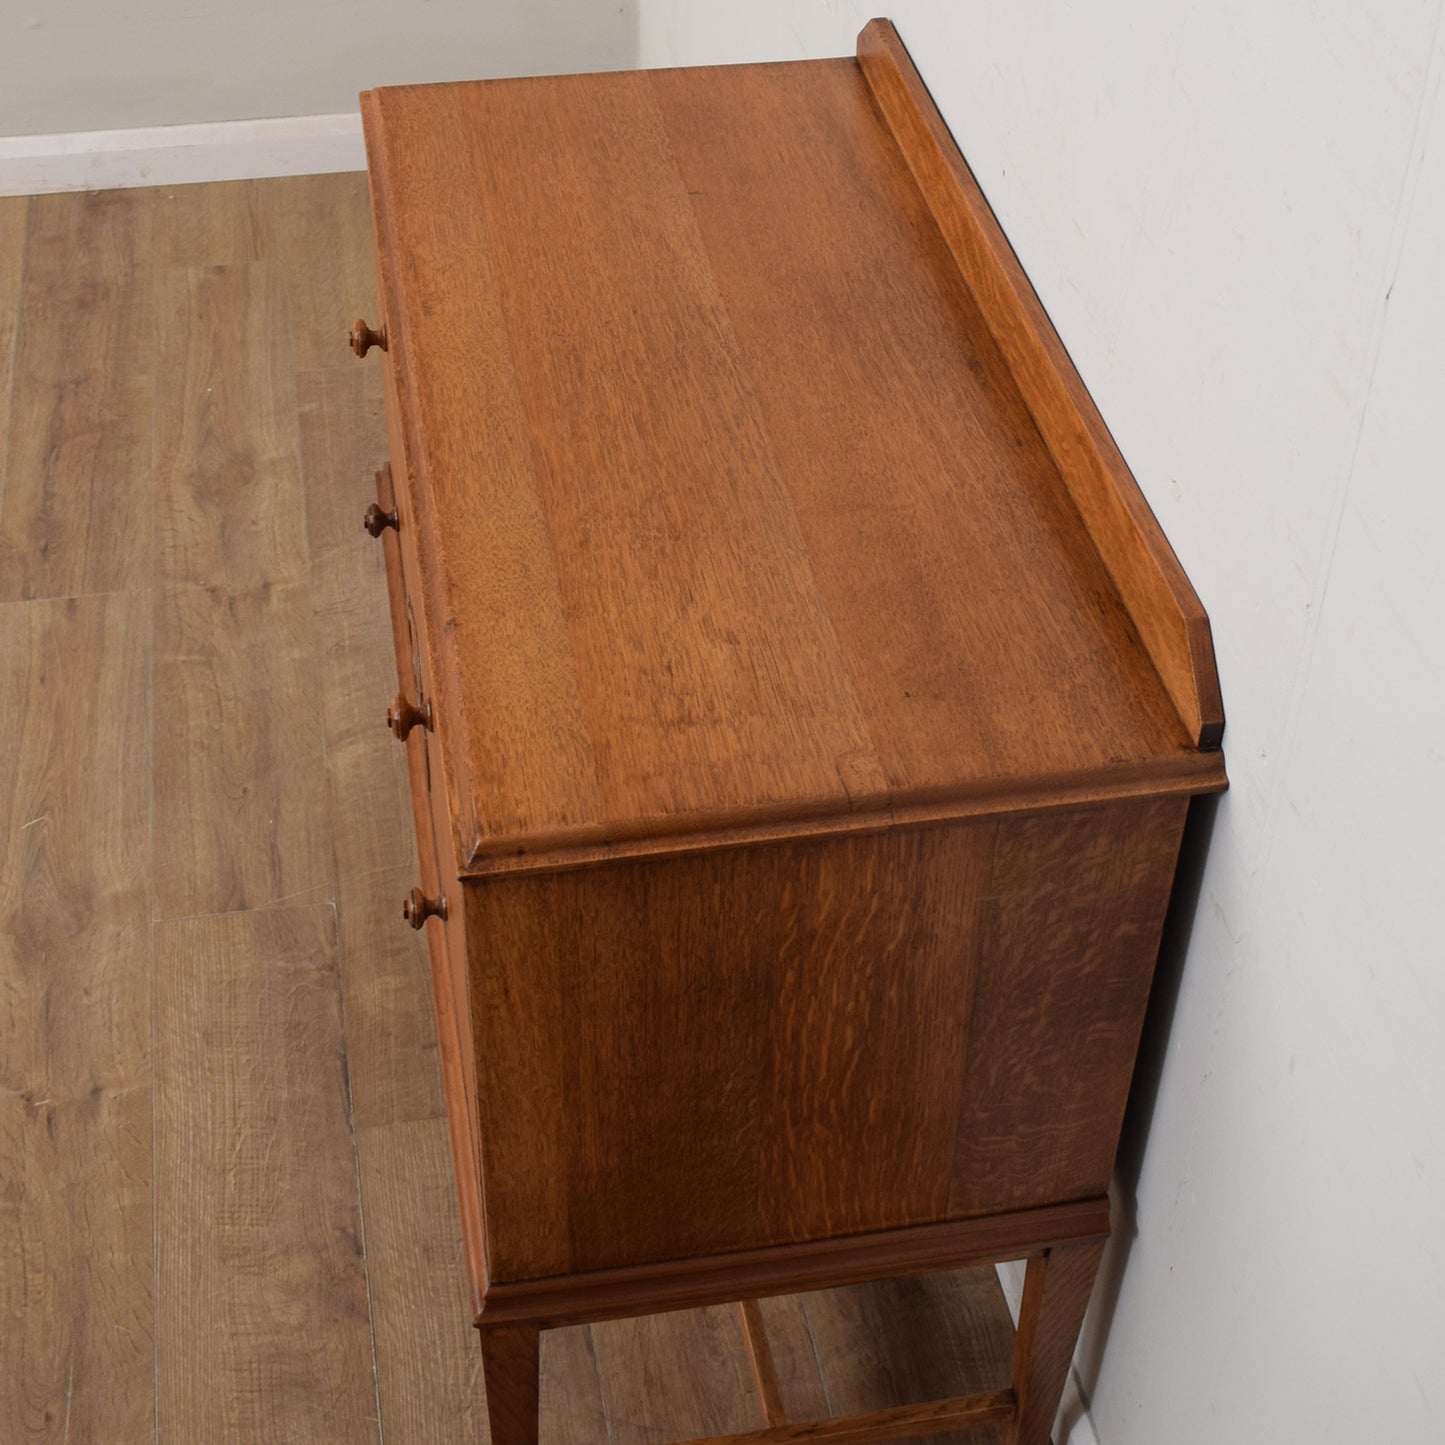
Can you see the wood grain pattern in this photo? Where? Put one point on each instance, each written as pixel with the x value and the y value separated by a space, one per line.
pixel 573 1409
pixel 904 1341
pixel 920 504
pixel 76 1309
pixel 795 1357
pixel 14 213
pixel 1056 1294
pixel 257 1216
pixel 513 659
pixel 429 1370
pixel 767 557
pixel 903 1421
pixel 655 1082
pixel 220 224
pixel 816 1264
pixel 75 516
pixel 1070 938
pixel 760 1358
pixel 229 510
pixel 316 229
pixel 391 1033
pixel 511 1363
pixel 256 1205
pixel 1160 599
pixel 670 1377
pixel 240 793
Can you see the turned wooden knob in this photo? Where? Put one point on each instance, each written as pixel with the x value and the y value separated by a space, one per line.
pixel 416 908
pixel 363 338
pixel 376 521
pixel 402 717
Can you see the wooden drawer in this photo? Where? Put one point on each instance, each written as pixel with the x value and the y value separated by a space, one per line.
pixel 438 876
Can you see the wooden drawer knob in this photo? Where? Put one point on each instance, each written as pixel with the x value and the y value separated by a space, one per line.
pixel 363 338
pixel 416 908
pixel 376 521
pixel 402 717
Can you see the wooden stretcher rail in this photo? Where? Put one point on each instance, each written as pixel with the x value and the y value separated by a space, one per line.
pixel 903 1422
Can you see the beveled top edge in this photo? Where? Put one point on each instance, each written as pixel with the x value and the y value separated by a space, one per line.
pixel 1189 775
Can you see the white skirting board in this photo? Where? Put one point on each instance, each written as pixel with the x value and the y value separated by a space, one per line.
pixel 1073 1426
pixel 170 155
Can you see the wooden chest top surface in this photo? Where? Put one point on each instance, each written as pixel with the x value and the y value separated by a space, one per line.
pixel 733 515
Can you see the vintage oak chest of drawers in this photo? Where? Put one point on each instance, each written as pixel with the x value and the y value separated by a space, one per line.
pixel 802 705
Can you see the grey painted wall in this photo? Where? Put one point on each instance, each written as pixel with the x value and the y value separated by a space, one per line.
pixel 81 65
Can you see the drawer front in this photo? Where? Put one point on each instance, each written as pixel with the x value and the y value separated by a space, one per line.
pixel 446 939
pixel 447 943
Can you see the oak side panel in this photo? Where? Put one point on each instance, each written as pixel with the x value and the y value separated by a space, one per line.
pixel 76 1308
pixel 75 516
pixel 722 1050
pixel 240 767
pixel 1160 597
pixel 261 1302
pixel 984 636
pixel 229 508
pixel 429 1370
pixel 1068 950
pixel 679 1376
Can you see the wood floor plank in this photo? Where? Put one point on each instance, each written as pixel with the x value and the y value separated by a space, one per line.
pixel 794 1356
pixel 76 1351
pixel 219 223
pixel 391 1027
pixel 14 211
pixel 75 516
pixel 240 766
pixel 429 1369
pixel 261 1305
pixel 343 442
pixel 427 1355
pixel 318 229
pixel 900 1342
pixel 676 1376
pixel 391 1035
pixel 228 509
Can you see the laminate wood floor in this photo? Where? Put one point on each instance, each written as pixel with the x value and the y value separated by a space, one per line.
pixel 226 1203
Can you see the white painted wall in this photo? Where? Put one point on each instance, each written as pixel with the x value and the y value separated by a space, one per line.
pixel 1235 214
pixel 88 65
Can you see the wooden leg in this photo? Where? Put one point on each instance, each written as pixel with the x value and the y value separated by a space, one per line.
pixel 1056 1294
pixel 511 1369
